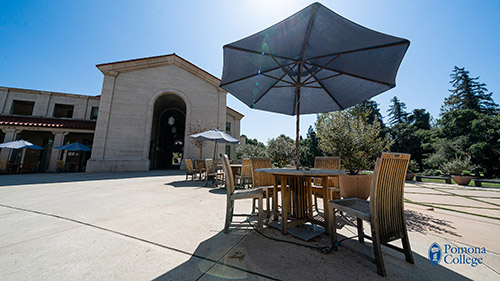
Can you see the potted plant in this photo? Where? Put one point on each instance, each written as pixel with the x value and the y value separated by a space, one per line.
pixel 412 169
pixel 349 136
pixel 459 169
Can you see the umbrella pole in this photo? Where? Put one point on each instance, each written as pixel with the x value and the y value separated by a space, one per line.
pixel 297 153
pixel 215 149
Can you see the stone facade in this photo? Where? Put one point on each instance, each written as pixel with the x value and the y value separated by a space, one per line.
pixel 137 95
pixel 125 131
pixel 40 125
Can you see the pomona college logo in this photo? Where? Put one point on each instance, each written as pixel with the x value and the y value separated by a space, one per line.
pixel 435 253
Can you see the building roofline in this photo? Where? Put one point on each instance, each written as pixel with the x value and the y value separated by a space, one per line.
pixel 49 92
pixel 113 68
pixel 235 112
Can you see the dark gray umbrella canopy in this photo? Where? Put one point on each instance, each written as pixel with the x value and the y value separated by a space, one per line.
pixel 314 61
pixel 333 62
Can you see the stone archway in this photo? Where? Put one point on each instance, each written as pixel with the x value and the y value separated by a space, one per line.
pixel 167 132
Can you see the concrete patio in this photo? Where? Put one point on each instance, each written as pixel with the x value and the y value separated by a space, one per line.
pixel 157 226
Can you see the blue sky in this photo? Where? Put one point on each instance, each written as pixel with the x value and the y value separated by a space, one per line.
pixel 55 45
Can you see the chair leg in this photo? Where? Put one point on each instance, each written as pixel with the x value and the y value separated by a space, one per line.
pixel 253 205
pixel 407 249
pixel 333 229
pixel 229 215
pixel 316 202
pixel 261 214
pixel 377 251
pixel 361 234
pixel 268 202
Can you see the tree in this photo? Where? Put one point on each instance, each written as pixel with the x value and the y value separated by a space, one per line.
pixel 198 127
pixel 309 148
pixel 281 150
pixel 468 93
pixel 368 108
pixel 397 113
pixel 252 148
pixel 420 119
pixel 350 137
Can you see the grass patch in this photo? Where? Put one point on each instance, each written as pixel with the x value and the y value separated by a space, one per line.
pixel 485 184
pixel 451 210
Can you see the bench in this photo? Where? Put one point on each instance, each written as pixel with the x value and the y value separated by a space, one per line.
pixel 446 179
pixel 478 182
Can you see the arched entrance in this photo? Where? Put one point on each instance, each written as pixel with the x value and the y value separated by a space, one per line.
pixel 167 132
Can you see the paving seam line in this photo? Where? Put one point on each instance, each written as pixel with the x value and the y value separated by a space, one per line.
pixel 135 238
pixel 492 269
pixel 228 251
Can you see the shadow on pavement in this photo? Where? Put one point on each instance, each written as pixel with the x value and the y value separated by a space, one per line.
pixel 419 222
pixel 255 257
pixel 40 178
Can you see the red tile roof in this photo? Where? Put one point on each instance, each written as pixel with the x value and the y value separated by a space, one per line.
pixel 46 122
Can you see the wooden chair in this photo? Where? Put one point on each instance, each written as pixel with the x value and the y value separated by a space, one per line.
pixel 189 168
pixel 199 166
pixel 3 167
pixel 211 171
pixel 27 167
pixel 327 163
pixel 245 177
pixel 384 211
pixel 263 180
pixel 60 166
pixel 233 195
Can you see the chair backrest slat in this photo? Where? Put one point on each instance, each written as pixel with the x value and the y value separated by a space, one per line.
pixel 387 191
pixel 246 168
pixel 327 163
pixel 228 174
pixel 189 166
pixel 198 164
pixel 209 166
pixel 261 179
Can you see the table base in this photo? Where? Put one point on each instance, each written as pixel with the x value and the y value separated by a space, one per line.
pixel 305 231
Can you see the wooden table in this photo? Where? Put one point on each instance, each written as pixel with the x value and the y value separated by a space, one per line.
pixel 296 196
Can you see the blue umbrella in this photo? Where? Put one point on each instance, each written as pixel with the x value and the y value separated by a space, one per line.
pixel 19 144
pixel 76 146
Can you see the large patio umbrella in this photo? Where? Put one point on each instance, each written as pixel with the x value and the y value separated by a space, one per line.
pixel 216 135
pixel 314 61
pixel 76 146
pixel 20 144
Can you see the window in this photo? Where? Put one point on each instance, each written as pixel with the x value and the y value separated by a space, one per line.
pixel 93 113
pixel 228 126
pixel 228 151
pixel 21 107
pixel 63 110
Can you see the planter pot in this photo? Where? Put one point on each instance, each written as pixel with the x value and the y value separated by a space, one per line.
pixel 462 180
pixel 355 186
pixel 410 176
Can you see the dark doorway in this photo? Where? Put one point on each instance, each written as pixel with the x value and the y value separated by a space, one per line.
pixel 167 135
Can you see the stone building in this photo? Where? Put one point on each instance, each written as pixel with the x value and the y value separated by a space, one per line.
pixel 142 120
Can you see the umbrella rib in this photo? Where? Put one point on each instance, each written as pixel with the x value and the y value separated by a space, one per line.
pixel 275 78
pixel 328 92
pixel 267 91
pixel 252 75
pixel 283 68
pixel 326 78
pixel 323 67
pixel 358 76
pixel 363 49
pixel 259 53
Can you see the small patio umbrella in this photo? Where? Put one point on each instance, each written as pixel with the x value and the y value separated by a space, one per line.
pixel 314 61
pixel 20 144
pixel 216 135
pixel 76 146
